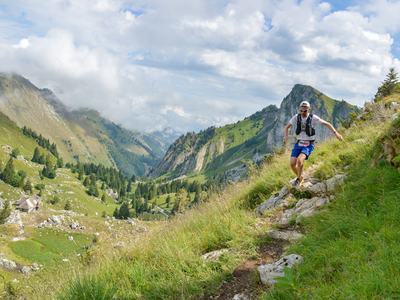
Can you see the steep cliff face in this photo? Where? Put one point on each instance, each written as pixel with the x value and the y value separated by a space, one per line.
pixel 222 149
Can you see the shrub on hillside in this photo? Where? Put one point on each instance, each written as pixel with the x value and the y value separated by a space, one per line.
pixel 15 152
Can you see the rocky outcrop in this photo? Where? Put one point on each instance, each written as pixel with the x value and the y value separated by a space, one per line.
pixel 271 271
pixel 320 193
pixel 15 218
pixel 303 208
pixel 214 255
pixel 287 235
pixel 112 194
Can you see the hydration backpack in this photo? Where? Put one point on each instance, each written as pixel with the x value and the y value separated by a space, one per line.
pixel 309 130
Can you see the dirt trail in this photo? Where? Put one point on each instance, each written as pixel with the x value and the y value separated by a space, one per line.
pixel 244 280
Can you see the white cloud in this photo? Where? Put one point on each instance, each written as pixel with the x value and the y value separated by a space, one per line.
pixel 22 44
pixel 187 65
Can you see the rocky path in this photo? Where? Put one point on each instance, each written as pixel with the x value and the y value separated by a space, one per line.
pixel 284 210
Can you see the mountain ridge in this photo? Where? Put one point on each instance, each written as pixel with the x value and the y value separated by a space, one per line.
pixel 77 138
pixel 223 149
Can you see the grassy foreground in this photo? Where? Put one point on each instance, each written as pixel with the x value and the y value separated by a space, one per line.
pixel 351 249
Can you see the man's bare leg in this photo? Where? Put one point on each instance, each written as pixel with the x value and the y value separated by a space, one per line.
pixel 300 164
pixel 293 161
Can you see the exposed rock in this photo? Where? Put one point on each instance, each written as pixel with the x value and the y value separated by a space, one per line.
pixel 130 221
pixel 65 260
pixel 318 189
pixel 287 235
pixel 57 191
pixel 62 175
pixel 393 117
pixel 240 297
pixel 112 194
pixel 271 271
pixel 74 225
pixel 120 245
pixel 15 218
pixel 71 238
pixel 273 201
pixel 288 200
pixel 303 208
pixel 25 270
pixel 35 267
pixel 2 203
pixel 8 264
pixel 55 219
pixel 214 255
pixel 334 182
pixel 96 234
pixel 312 180
pixel 393 105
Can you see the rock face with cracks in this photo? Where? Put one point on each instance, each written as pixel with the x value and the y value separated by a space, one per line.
pixel 319 191
pixel 271 271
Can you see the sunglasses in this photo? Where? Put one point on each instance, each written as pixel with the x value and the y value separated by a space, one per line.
pixel 303 110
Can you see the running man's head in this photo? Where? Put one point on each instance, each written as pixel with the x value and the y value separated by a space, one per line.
pixel 304 108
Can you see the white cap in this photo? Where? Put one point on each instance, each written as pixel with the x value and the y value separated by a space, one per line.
pixel 305 103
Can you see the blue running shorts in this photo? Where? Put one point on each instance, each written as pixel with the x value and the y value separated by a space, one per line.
pixel 306 150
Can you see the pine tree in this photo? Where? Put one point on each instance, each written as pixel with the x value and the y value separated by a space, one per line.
pixel 197 197
pixel 42 159
pixel 28 186
pixel 116 213
pixel 67 206
pixel 181 202
pixel 9 172
pixel 388 85
pixel 80 173
pixel 86 182
pixel 103 198
pixel 124 211
pixel 5 212
pixel 96 191
pixel 60 162
pixel 48 167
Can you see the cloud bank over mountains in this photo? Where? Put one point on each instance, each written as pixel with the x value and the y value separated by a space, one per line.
pixel 187 65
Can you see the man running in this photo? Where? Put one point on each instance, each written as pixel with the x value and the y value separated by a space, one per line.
pixel 305 132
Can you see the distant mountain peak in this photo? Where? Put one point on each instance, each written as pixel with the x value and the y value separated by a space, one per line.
pixel 223 149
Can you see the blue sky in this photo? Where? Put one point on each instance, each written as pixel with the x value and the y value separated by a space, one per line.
pixel 188 65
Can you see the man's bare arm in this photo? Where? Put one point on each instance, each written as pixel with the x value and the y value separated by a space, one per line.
pixel 286 137
pixel 331 128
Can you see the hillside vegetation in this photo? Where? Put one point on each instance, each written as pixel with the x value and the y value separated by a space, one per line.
pixel 350 248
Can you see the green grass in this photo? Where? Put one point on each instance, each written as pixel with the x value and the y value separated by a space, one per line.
pixel 351 249
pixel 48 246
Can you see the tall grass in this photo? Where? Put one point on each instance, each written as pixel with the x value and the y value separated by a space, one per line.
pixel 167 263
pixel 350 249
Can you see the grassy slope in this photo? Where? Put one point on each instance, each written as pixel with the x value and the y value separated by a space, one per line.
pixel 350 249
pixel 125 143
pixel 70 189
